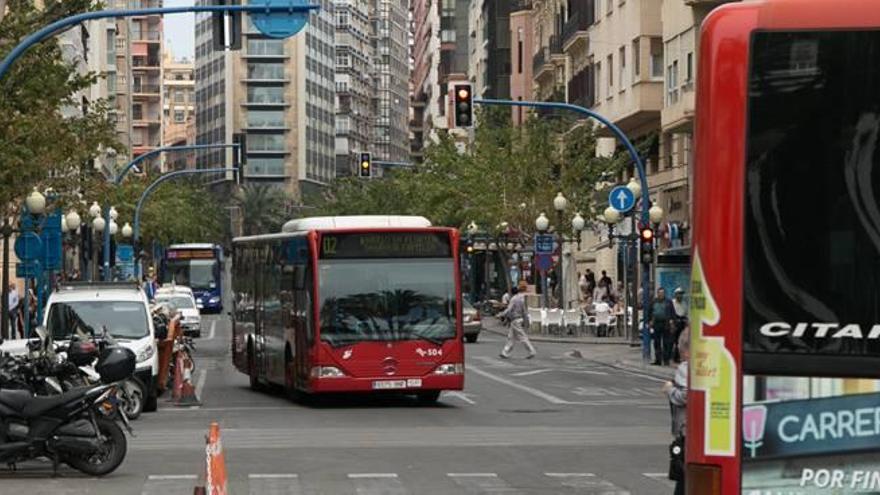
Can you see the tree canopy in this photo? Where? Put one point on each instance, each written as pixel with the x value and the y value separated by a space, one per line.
pixel 506 174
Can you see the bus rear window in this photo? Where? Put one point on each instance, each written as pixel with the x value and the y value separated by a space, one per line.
pixel 812 206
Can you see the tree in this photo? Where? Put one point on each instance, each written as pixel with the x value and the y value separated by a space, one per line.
pixel 41 145
pixel 507 174
pixel 263 208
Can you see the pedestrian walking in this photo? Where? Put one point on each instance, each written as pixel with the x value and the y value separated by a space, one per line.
pixel 661 314
pixel 13 300
pixel 677 392
pixel 591 282
pixel 606 280
pixel 517 315
pixel 680 322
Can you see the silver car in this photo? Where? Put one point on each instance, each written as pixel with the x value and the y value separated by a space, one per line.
pixel 471 322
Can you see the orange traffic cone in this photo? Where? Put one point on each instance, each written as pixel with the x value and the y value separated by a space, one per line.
pixel 184 393
pixel 215 465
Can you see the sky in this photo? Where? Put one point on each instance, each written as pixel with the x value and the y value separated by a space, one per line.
pixel 180 31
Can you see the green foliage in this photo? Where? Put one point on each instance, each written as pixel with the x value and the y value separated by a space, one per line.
pixel 40 146
pixel 507 174
pixel 263 208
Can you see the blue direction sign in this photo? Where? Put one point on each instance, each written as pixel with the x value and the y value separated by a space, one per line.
pixel 543 243
pixel 28 247
pixel 277 24
pixel 622 199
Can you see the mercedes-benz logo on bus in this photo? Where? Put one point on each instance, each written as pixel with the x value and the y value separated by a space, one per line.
pixel 389 365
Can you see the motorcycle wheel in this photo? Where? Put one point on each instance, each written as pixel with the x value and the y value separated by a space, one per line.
pixel 109 456
pixel 131 400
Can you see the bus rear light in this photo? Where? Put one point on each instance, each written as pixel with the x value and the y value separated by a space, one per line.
pixel 703 479
pixel 326 372
pixel 450 369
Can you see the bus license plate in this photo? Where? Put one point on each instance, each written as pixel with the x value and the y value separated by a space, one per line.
pixel 397 384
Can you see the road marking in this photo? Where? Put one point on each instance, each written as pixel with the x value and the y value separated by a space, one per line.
pixel 588 481
pixel 482 483
pixel 531 372
pixel 200 383
pixel 272 476
pixel 569 475
pixel 460 396
pixel 213 328
pixel 533 391
pixel 472 475
pixel 355 476
pixel 165 477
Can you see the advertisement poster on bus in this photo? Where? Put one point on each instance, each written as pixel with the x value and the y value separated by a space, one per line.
pixel 809 435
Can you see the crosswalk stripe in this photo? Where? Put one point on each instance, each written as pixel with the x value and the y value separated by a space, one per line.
pixel 472 475
pixel 371 475
pixel 588 483
pixel 272 476
pixel 169 484
pixel 481 483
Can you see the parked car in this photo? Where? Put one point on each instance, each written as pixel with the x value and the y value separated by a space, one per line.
pixel 471 322
pixel 120 308
pixel 183 300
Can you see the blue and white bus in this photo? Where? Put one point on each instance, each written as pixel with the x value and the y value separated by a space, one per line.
pixel 199 267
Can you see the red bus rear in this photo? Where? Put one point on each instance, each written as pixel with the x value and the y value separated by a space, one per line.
pixel 350 304
pixel 785 347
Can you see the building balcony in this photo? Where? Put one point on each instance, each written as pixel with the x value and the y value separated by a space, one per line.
pixel 146 120
pixel 150 36
pixel 541 63
pixel 152 90
pixel 574 33
pixel 145 63
pixel 556 52
pixel 581 88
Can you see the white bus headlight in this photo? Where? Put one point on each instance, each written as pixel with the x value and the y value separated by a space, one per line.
pixel 326 372
pixel 145 354
pixel 450 369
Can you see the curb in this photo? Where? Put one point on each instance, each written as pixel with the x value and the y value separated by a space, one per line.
pixel 652 371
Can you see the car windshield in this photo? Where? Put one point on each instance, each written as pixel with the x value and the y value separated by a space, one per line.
pixel 387 299
pixel 179 302
pixel 123 319
pixel 195 274
pixel 467 307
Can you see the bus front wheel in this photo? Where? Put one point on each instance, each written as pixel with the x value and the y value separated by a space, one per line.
pixel 428 398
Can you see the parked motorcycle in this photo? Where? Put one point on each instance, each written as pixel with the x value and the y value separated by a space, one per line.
pixel 70 427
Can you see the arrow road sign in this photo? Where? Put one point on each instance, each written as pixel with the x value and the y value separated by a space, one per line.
pixel 621 199
pixel 277 25
pixel 543 243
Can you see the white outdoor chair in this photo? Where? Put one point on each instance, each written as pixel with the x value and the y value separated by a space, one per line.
pixel 536 317
pixel 612 325
pixel 590 323
pixel 572 317
pixel 554 318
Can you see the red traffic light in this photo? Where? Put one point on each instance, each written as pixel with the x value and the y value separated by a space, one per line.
pixel 647 235
pixel 463 93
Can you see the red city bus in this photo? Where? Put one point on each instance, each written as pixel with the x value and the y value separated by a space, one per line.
pixel 350 304
pixel 785 348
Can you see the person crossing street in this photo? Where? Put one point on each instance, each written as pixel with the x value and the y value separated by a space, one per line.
pixel 517 315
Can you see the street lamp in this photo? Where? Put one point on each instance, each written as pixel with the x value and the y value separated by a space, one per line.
pixel 94 210
pixel 98 224
pixel 656 213
pixel 73 221
pixel 560 203
pixel 114 228
pixel 64 228
pixel 35 202
pixel 113 213
pixel 611 216
pixel 542 223
pixel 127 231
pixel 634 187
pixel 472 229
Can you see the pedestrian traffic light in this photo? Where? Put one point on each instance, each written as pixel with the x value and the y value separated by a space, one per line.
pixel 226 36
pixel 463 105
pixel 646 241
pixel 365 166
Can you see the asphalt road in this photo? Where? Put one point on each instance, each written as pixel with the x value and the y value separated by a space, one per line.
pixel 553 424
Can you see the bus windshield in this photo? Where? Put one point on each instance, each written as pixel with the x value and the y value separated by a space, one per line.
pixel 387 299
pixel 195 274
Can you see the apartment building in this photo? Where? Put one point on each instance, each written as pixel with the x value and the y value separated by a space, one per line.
pixel 390 71
pixel 178 116
pixel 354 84
pixel 280 93
pixel 139 58
pixel 490 65
pixel 521 50
pixel 440 54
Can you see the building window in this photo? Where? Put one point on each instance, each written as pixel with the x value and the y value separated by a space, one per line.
pixel 519 50
pixel 265 95
pixel 598 80
pixel 622 67
pixel 343 60
pixel 690 67
pixel 342 19
pixel 265 142
pixel 265 166
pixel 610 73
pixel 273 72
pixel 672 82
pixel 265 118
pixel 637 58
pixel 656 57
pixel 265 47
pixel 179 97
pixel 179 116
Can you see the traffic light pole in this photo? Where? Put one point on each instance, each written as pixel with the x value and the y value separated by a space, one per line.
pixel 639 165
pixel 62 24
pixel 137 209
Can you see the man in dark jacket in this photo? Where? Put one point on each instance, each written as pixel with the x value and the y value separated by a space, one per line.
pixel 661 314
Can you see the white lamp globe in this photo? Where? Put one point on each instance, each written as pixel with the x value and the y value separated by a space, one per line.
pixel 656 213
pixel 98 224
pixel 64 228
pixel 113 213
pixel 578 223
pixel 73 220
pixel 95 210
pixel 634 186
pixel 127 231
pixel 559 202
pixel 114 228
pixel 542 223
pixel 611 215
pixel 36 202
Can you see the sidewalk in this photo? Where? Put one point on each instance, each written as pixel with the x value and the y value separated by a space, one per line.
pixel 611 351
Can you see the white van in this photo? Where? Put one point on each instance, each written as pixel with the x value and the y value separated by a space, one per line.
pixel 120 307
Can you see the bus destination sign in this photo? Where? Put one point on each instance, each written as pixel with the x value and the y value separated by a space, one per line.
pixel 192 254
pixel 386 245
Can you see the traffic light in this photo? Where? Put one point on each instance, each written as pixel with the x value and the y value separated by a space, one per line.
pixel 365 166
pixel 646 243
pixel 226 38
pixel 239 156
pixel 463 107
